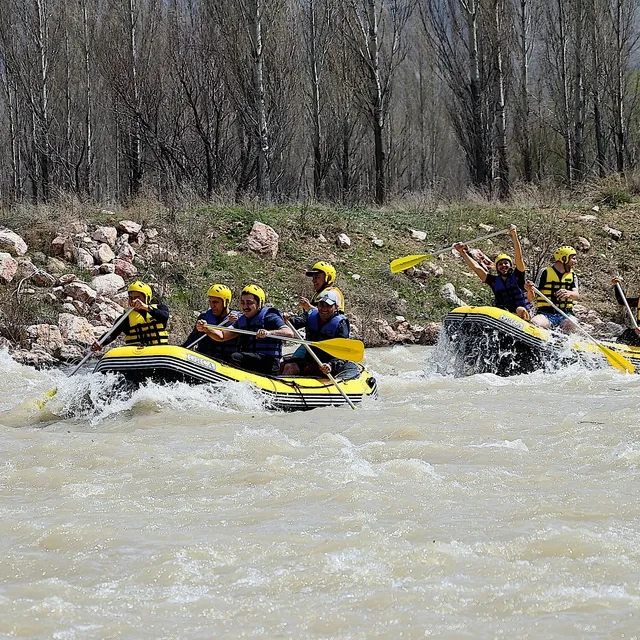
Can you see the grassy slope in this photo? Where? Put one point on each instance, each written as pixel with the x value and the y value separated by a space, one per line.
pixel 201 238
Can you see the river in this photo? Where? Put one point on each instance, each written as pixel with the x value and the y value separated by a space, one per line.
pixel 477 507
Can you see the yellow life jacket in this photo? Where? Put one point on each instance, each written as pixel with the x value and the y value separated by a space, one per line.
pixel 144 329
pixel 554 282
pixel 317 294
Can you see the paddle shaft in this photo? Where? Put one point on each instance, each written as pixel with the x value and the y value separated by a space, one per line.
pixel 490 235
pixel 626 304
pixel 320 363
pixel 101 341
pixel 204 335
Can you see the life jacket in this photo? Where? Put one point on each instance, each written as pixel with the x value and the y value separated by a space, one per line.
pixel 251 344
pixel 315 332
pixel 554 282
pixel 214 348
pixel 144 329
pixel 508 294
pixel 317 294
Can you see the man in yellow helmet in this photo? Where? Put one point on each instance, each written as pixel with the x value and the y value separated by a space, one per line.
pixel 218 313
pixel 508 285
pixel 560 284
pixel 323 276
pixel 258 353
pixel 146 324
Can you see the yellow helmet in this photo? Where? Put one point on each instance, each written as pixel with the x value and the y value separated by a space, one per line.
pixel 563 253
pixel 220 291
pixel 255 290
pixel 143 288
pixel 504 256
pixel 329 271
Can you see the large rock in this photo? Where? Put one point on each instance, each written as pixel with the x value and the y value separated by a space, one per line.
pixel 107 285
pixel 418 235
pixel 105 312
pixel 8 268
pixel 75 329
pixel 48 336
pixel 55 266
pixel 125 268
pixel 343 241
pixel 448 293
pixel 43 279
pixel 11 242
pixel 84 259
pixel 80 291
pixel 104 254
pixel 130 227
pixel 263 240
pixel 126 252
pixel 62 247
pixel 108 235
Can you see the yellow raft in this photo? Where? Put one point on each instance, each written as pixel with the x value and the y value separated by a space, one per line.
pixel 492 340
pixel 167 363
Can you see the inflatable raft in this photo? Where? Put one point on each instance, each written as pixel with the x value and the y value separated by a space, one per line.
pixel 492 340
pixel 167 363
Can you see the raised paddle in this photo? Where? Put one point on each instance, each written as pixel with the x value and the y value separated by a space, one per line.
pixel 315 357
pixel 52 392
pixel 626 304
pixel 402 264
pixel 342 348
pixel 614 359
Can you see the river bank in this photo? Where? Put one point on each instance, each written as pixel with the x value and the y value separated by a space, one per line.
pixel 64 279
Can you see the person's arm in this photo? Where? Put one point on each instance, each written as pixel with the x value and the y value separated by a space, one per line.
pixel 159 313
pixel 299 322
pixel 517 249
pixel 275 326
pixel 480 271
pixel 573 292
pixel 632 302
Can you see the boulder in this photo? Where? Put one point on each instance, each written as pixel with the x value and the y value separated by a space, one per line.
pixel 12 243
pixel 418 235
pixel 80 291
pixel 448 293
pixel 48 336
pixel 582 244
pixel 8 268
pixel 105 312
pixel 55 266
pixel 151 233
pixel 130 227
pixel 125 268
pixel 343 241
pixel 75 329
pixel 43 279
pixel 84 259
pixel 107 235
pixel 66 278
pixel 263 240
pixel 126 252
pixel 62 247
pixel 486 227
pixel 107 285
pixel 38 357
pixel 104 254
pixel 614 233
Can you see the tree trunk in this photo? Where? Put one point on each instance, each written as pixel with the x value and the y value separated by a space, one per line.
pixel 88 100
pixel 135 133
pixel 579 162
pixel 501 116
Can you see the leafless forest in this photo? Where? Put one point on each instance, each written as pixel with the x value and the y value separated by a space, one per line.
pixel 336 100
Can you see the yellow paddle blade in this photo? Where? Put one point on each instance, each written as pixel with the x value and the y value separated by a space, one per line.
pixel 402 264
pixel 616 360
pixel 43 401
pixel 342 348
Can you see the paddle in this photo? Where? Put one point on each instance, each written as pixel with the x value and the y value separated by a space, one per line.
pixel 615 359
pixel 315 357
pixel 401 264
pixel 204 335
pixel 342 348
pixel 626 304
pixel 52 392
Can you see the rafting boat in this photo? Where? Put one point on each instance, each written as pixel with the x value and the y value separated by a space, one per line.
pixel 166 363
pixel 492 340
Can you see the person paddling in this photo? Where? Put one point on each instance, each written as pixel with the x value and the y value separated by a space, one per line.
pixel 560 284
pixel 631 335
pixel 256 353
pixel 218 313
pixel 323 323
pixel 508 284
pixel 146 324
